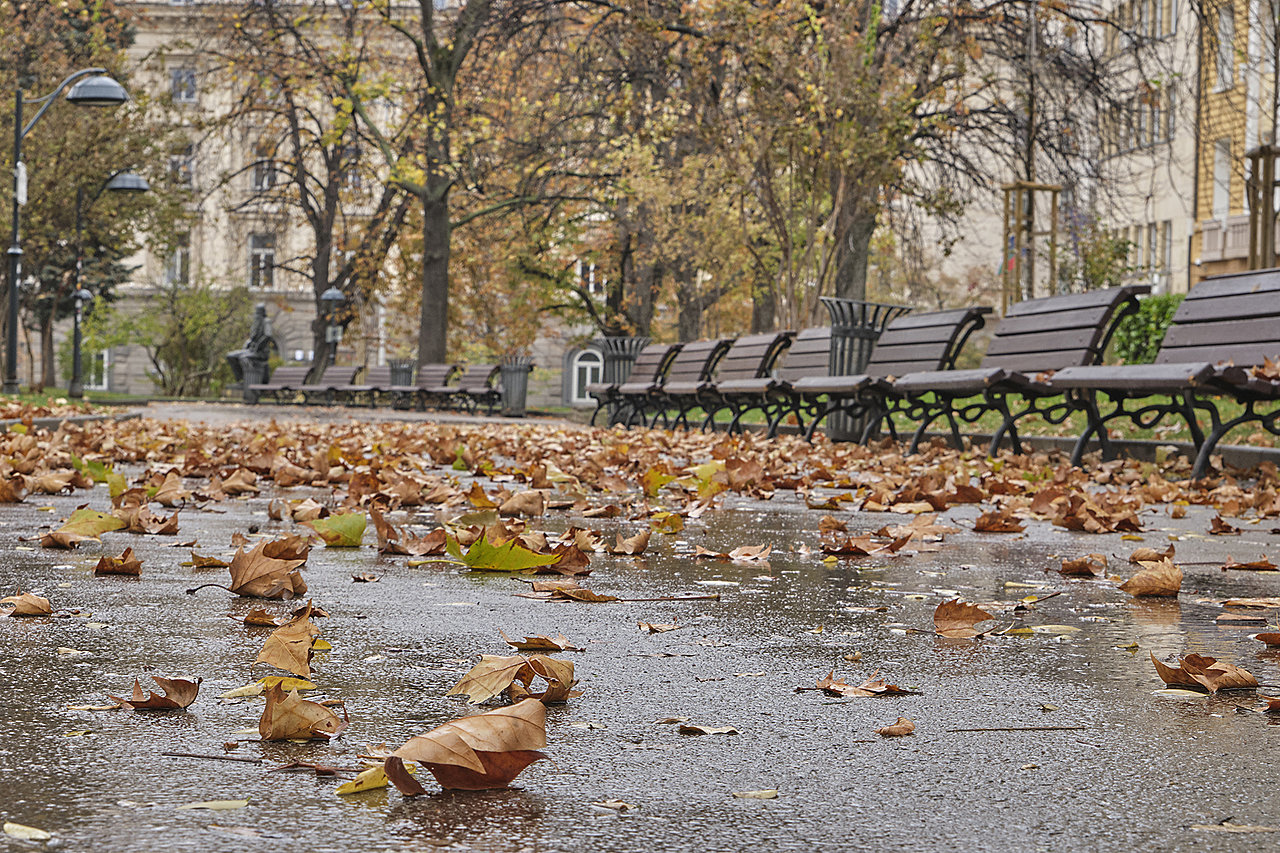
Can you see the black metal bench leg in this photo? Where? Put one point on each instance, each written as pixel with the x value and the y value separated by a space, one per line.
pixel 931 414
pixel 1007 425
pixel 1094 425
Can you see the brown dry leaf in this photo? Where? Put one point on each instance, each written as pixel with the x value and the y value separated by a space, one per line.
pixel 1271 638
pixel 308 510
pixel 289 717
pixel 52 483
pixel 1200 672
pixel 241 481
pixel 1151 555
pixel 478 498
pixel 1088 566
pixel 295 546
pixel 1162 579
pixel 830 524
pixel 259 618
pixel 873 686
pixel 171 493
pixel 1260 565
pixel 902 728
pixel 532 503
pixel 750 553
pixel 631 546
pixel 256 575
pixel 289 646
pixel 1272 705
pixel 481 752
pixel 12 489
pixel 998 521
pixel 958 619
pixel 580 594
pixel 492 675
pixel 541 643
pixel 125 564
pixel 201 562
pixel 178 694
pixel 695 729
pixel 657 628
pixel 1219 527
pixel 27 604
pixel 558 674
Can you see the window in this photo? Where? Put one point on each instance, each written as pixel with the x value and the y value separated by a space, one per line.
pixel 262 260
pixel 587 367
pixel 1226 54
pixel 183 85
pixel 1221 178
pixel 588 277
pixel 349 167
pixel 97 371
pixel 177 268
pixel 182 167
pixel 263 175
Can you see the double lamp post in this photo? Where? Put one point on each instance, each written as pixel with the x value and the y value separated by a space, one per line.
pixel 93 89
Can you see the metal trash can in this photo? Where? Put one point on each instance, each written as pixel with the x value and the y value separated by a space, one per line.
pixel 855 327
pixel 401 371
pixel 619 357
pixel 248 369
pixel 515 385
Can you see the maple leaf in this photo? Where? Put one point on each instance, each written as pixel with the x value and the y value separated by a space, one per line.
pixel 484 556
pixel 1160 579
pixel 125 564
pixel 530 503
pixel 902 728
pixel 998 521
pixel 1200 672
pixel 295 546
pixel 541 643
pixel 340 531
pixel 1219 527
pixel 289 717
pixel 178 694
pixel 1260 565
pixel 12 489
pixel 27 604
pixel 1088 566
pixel 873 686
pixel 578 594
pixel 495 674
pixel 241 481
pixel 633 545
pixel 83 525
pixel 256 575
pixel 958 619
pixel 201 562
pixel 1151 555
pixel 171 492
pixel 289 646
pixel 475 753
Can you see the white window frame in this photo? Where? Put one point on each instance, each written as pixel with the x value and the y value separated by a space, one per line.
pixel 177 267
pixel 184 85
pixel 590 361
pixel 92 380
pixel 262 261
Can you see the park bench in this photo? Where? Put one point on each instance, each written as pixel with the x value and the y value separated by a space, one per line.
pixel 334 378
pixel 431 387
pixel 774 393
pixel 649 367
pixel 749 358
pixel 1035 338
pixel 376 380
pixel 692 367
pixel 476 388
pixel 286 380
pixel 927 341
pixel 1225 329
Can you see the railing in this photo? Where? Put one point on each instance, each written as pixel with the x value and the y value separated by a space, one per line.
pixel 1226 239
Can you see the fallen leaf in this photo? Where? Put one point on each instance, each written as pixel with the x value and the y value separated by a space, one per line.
pixel 480 752
pixel 1260 565
pixel 25 833
pixel 958 619
pixel 1204 673
pixel 256 575
pixel 531 503
pixel 694 729
pixel 541 643
pixel 1090 565
pixel 494 675
pixel 125 564
pixel 873 686
pixel 201 562
pixel 579 594
pixel 654 628
pixel 484 556
pixel 178 694
pixel 216 805
pixel 764 794
pixel 368 779
pixel 289 646
pixel 289 716
pixel 1151 555
pixel 83 525
pixel 1162 579
pixel 616 805
pixel 1219 527
pixel 1271 638
pixel 998 521
pixel 27 604
pixel 901 728
pixel 631 546
pixel 340 531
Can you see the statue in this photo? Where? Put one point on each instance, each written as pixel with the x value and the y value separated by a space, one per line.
pixel 249 364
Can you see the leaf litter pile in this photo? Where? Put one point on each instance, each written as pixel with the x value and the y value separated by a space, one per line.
pixel 559 514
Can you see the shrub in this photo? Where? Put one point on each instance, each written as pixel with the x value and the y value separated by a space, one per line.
pixel 1138 336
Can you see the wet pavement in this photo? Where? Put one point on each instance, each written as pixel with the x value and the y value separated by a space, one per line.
pixel 1129 767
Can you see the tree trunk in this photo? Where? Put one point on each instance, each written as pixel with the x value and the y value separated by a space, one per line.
pixel 854 227
pixel 320 325
pixel 764 308
pixel 433 324
pixel 48 358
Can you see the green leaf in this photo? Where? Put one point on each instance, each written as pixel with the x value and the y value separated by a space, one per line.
pixel 91 524
pixel 92 468
pixel 341 531
pixel 484 556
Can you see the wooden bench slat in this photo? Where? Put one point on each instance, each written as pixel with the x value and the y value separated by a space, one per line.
pixel 1044 342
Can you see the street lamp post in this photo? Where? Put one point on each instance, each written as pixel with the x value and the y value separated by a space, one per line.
pixel 122 181
pixel 98 90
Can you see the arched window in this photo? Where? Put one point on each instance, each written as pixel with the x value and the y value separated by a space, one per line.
pixel 587 367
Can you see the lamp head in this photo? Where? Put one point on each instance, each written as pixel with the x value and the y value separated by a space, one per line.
pixel 128 182
pixel 100 90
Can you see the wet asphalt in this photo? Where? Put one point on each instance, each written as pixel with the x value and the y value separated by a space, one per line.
pixel 1092 754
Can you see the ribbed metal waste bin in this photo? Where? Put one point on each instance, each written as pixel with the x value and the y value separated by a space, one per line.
pixel 619 357
pixel 515 385
pixel 401 371
pixel 856 325
pixel 253 371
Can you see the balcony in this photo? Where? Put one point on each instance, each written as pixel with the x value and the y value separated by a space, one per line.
pixel 1227 239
